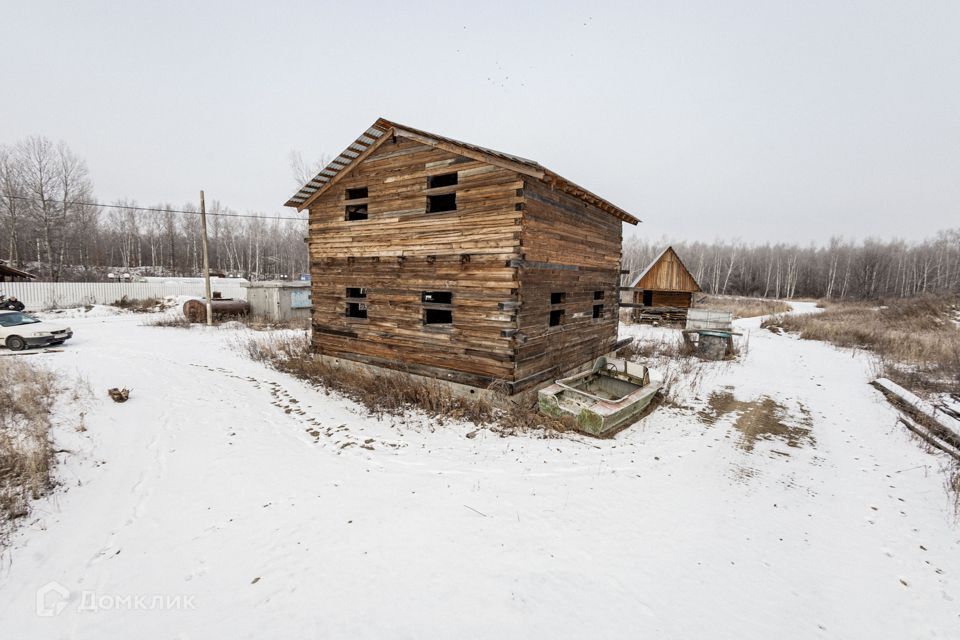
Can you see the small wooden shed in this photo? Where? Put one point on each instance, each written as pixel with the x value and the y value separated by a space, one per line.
pixel 664 290
pixel 449 260
pixel 12 274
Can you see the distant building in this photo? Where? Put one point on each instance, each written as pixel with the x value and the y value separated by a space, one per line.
pixel 12 274
pixel 449 260
pixel 664 290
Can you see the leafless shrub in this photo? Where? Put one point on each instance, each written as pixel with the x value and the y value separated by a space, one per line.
pixel 139 305
pixel 396 392
pixel 742 307
pixel 257 323
pixel 27 396
pixel 953 487
pixel 674 358
pixel 174 320
pixel 261 323
pixel 667 345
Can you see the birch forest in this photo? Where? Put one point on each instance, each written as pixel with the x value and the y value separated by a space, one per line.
pixel 50 225
pixel 841 269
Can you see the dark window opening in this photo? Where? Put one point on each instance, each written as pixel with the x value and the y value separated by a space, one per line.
pixel 556 317
pixel 444 180
pixel 437 316
pixel 648 298
pixel 437 297
pixel 446 202
pixel 597 311
pixel 598 295
pixel 558 298
pixel 356 194
pixel 437 307
pixel 356 212
pixel 356 310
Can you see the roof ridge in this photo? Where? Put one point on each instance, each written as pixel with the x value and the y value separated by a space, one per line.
pixel 375 135
pixel 659 257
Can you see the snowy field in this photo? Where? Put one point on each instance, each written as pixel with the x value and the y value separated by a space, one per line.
pixel 777 498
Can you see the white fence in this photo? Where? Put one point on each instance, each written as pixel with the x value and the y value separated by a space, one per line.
pixel 51 295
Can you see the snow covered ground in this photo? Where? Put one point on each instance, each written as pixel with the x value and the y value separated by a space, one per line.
pixel 779 499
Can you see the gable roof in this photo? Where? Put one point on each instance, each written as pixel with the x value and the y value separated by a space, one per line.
pixel 12 272
pixel 660 276
pixel 383 129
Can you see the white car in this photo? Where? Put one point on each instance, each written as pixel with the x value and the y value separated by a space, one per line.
pixel 20 331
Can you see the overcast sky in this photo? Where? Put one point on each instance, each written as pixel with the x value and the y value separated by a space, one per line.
pixel 761 121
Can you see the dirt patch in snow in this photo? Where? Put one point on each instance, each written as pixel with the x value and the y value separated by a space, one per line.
pixel 761 419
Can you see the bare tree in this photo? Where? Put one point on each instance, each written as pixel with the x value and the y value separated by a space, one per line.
pixel 304 171
pixel 11 190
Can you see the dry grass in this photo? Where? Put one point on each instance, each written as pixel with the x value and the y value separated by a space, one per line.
pixel 27 396
pixel 952 483
pixel 177 321
pixel 675 359
pixel 669 345
pixel 916 339
pixel 395 393
pixel 140 305
pixel 742 307
pixel 257 323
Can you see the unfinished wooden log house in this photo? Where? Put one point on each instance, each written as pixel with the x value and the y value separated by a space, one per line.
pixel 664 290
pixel 449 260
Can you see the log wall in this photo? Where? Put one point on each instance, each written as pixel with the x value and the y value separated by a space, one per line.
pixel 510 243
pixel 401 251
pixel 572 248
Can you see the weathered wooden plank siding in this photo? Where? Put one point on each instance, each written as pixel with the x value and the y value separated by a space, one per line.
pixel 583 245
pixel 486 220
pixel 668 274
pixel 680 299
pixel 401 251
pixel 560 228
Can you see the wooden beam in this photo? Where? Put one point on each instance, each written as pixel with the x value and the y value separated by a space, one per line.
pixel 471 153
pixel 520 263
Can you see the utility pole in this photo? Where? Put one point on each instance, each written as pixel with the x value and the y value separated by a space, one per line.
pixel 206 260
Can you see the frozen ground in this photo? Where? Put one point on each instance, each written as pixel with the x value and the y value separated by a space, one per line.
pixel 778 500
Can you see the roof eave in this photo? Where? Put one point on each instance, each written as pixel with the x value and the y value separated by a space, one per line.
pixel 378 132
pixel 588 196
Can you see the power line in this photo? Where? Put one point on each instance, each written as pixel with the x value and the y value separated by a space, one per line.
pixel 153 209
